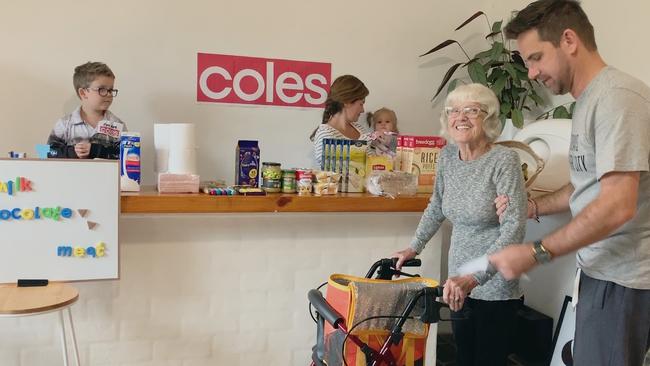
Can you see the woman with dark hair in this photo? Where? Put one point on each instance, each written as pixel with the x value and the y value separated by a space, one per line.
pixel 343 106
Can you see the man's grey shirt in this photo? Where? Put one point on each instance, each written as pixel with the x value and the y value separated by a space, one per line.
pixel 611 133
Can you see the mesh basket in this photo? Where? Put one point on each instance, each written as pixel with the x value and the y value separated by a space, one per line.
pixel 356 299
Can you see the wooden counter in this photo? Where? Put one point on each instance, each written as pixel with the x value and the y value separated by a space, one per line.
pixel 150 201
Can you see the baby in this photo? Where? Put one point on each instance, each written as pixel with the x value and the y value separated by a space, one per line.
pixel 384 120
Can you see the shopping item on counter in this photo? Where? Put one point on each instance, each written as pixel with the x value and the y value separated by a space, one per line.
pixel 178 183
pixel 382 152
pixel 161 146
pixel 288 180
pixel 271 177
pixel 408 145
pixel 419 155
pixel 397 163
pixel 425 157
pixel 392 184
pixel 347 158
pixel 175 146
pixel 251 191
pixel 17 155
pixel 130 161
pixel 326 182
pixel 182 148
pixel 247 164
pixel 304 180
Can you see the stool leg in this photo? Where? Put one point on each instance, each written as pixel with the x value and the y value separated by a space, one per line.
pixel 74 338
pixel 64 346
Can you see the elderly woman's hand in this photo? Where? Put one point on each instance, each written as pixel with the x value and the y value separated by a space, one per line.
pixel 402 256
pixel 456 290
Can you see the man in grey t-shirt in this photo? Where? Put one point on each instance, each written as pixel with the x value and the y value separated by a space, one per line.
pixel 609 193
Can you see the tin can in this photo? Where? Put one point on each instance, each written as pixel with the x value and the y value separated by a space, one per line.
pixel 288 181
pixel 303 181
pixel 271 177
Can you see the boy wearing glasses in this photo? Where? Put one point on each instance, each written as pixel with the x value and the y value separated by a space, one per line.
pixel 91 130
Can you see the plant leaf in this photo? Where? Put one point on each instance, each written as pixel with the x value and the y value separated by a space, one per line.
pixel 452 86
pixel 476 15
pixel 561 112
pixel 483 54
pixel 445 79
pixel 516 57
pixel 496 26
pixel 519 67
pixel 492 34
pixel 511 70
pixel 477 72
pixel 536 98
pixel 497 50
pixel 517 118
pixel 498 85
pixel 495 74
pixel 441 46
pixel 505 108
pixel 522 75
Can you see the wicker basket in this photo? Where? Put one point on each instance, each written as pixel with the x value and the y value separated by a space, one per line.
pixel 523 147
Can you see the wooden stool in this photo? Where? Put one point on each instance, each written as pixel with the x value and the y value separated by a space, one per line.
pixel 25 301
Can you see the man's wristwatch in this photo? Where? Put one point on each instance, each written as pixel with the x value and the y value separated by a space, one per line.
pixel 540 253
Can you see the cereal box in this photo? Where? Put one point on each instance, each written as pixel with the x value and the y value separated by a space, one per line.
pixel 426 150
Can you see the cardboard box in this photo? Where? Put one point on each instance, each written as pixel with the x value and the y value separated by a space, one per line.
pixel 426 150
pixel 348 158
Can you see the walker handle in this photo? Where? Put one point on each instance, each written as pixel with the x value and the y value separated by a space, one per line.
pixel 415 262
pixel 324 308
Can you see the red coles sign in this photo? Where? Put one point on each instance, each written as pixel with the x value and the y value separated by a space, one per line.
pixel 262 81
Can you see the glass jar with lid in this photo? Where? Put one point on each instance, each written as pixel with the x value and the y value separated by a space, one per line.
pixel 271 177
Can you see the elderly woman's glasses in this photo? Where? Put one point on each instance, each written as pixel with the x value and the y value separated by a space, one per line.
pixel 471 112
pixel 104 92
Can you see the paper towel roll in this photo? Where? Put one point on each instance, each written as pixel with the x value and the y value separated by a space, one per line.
pixel 182 149
pixel 161 145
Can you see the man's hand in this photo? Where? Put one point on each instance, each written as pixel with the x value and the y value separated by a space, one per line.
pixel 82 149
pixel 501 203
pixel 514 260
pixel 456 290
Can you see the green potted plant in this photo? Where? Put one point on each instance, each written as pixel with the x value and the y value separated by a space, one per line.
pixel 562 111
pixel 500 68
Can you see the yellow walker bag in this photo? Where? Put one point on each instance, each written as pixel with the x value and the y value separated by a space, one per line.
pixel 362 312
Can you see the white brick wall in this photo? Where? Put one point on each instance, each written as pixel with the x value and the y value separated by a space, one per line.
pixel 198 290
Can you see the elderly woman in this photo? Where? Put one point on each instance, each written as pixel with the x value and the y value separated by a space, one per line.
pixel 471 172
pixel 343 107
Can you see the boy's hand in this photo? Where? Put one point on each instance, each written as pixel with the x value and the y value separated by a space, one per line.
pixel 82 150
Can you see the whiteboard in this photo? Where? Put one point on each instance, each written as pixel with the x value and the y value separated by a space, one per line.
pixel 38 241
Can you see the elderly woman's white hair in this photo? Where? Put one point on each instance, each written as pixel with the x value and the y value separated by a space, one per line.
pixel 475 93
